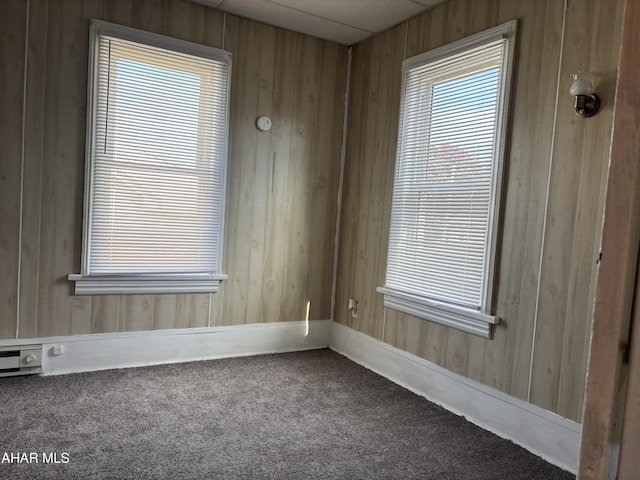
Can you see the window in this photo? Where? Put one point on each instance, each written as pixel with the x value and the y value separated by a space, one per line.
pixel 446 190
pixel 156 161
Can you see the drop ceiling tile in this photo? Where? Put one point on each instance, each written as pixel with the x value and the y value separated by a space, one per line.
pixel 343 21
pixel 294 19
pixel 369 15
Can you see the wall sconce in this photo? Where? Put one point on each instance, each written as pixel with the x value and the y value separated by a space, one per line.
pixel 587 102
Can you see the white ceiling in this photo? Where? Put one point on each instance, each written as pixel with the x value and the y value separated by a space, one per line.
pixel 343 21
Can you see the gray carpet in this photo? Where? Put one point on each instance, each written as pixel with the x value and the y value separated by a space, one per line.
pixel 307 415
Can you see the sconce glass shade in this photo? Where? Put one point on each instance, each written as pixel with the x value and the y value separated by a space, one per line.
pixel 587 102
pixel 581 86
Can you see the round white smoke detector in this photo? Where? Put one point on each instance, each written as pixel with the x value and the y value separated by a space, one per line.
pixel 263 123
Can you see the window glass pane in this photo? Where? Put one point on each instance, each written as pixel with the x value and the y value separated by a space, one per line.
pixel 144 126
pixel 158 161
pixel 444 184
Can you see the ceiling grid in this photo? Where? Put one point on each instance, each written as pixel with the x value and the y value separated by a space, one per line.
pixel 343 21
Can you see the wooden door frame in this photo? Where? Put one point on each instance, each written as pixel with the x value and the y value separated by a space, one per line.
pixel 629 464
pixel 616 278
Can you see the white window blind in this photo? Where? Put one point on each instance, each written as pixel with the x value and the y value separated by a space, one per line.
pixel 447 179
pixel 157 160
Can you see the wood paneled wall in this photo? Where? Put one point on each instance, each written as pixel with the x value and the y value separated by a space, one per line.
pixel 282 185
pixel 556 169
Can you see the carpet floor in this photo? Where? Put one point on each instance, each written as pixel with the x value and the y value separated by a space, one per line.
pixel 305 415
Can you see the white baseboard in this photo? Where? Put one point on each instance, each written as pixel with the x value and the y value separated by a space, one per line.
pixel 554 438
pixel 551 436
pixel 83 353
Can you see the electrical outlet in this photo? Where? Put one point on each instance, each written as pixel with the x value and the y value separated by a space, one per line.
pixel 353 306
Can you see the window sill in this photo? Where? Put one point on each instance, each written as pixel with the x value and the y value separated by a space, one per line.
pixel 144 284
pixel 470 321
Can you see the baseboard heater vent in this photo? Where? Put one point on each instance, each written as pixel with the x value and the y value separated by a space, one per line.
pixel 20 360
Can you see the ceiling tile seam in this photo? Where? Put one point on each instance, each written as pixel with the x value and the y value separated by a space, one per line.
pixel 407 20
pixel 429 3
pixel 319 16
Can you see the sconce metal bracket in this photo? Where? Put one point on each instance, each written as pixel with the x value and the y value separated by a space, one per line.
pixel 587 105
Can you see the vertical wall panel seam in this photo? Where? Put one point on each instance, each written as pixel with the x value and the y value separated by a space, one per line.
pixel 384 324
pixel 546 205
pixel 406 39
pixel 165 23
pixel 314 162
pixel 224 31
pixel 343 155
pixel 40 157
pixel 24 123
pixel 224 28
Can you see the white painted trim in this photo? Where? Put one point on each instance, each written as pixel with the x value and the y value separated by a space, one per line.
pixel 465 319
pixel 554 438
pixel 402 269
pixel 85 283
pixel 506 30
pixel 101 27
pixel 148 284
pixel 84 353
pixel 551 436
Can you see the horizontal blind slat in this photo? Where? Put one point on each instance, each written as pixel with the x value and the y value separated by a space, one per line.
pixel 443 181
pixel 160 141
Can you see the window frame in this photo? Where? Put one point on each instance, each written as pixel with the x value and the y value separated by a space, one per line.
pixel 87 283
pixel 475 321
